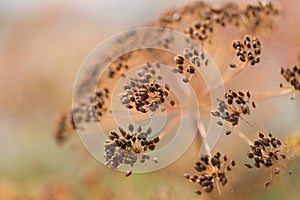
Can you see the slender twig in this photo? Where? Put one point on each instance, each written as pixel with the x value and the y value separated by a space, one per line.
pixel 266 94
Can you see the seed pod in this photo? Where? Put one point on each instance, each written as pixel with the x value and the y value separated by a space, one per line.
pixel 156 139
pixel 130 127
pixel 249 166
pixel 233 163
pixel 241 93
pixel 198 192
pixel 152 147
pixel 261 135
pixel 172 103
pixel 128 173
pixel 228 133
pixel 248 93
pixel 187 176
pixel 232 65
pixel 179 60
pixel 139 129
pixel 149 130
pixel 220 123
pixel 278 142
pixel 185 80
pixel 267 184
pixel 250 155
pixel 167 86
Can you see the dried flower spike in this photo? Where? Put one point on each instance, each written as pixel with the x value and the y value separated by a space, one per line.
pixel 211 172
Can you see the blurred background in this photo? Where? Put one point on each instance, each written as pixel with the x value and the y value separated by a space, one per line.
pixel 43 43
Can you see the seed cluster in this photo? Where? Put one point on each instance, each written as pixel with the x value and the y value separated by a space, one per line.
pixel 292 77
pixel 248 50
pixel 201 30
pixel 189 56
pixel 63 126
pixel 92 109
pixel 267 152
pixel 211 172
pixel 126 147
pixel 85 112
pixel 145 93
pixel 253 16
pixel 101 96
pixel 259 15
pixel 233 107
pixel 119 66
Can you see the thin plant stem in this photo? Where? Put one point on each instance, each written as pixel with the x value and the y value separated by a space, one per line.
pixel 231 76
pixel 202 130
pixel 243 136
pixel 266 94
pixel 235 74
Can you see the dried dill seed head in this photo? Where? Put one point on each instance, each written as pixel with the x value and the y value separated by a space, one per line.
pixel 201 30
pixel 207 18
pixel 101 96
pixel 292 76
pixel 64 125
pixel 248 50
pixel 183 66
pixel 267 152
pixel 144 93
pixel 119 67
pixel 211 171
pixel 91 109
pixel 233 107
pixel 259 15
pixel 127 147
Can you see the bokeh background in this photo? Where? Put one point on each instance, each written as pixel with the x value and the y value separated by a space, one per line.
pixel 43 43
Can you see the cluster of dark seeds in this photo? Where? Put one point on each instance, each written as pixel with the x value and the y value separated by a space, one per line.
pixel 91 109
pixel 144 93
pixel 259 15
pixel 266 151
pixel 228 14
pixel 201 30
pixel 101 96
pixel 292 77
pixel 119 67
pixel 211 171
pixel 189 56
pixel 248 50
pixel 253 17
pixel 233 107
pixel 127 147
